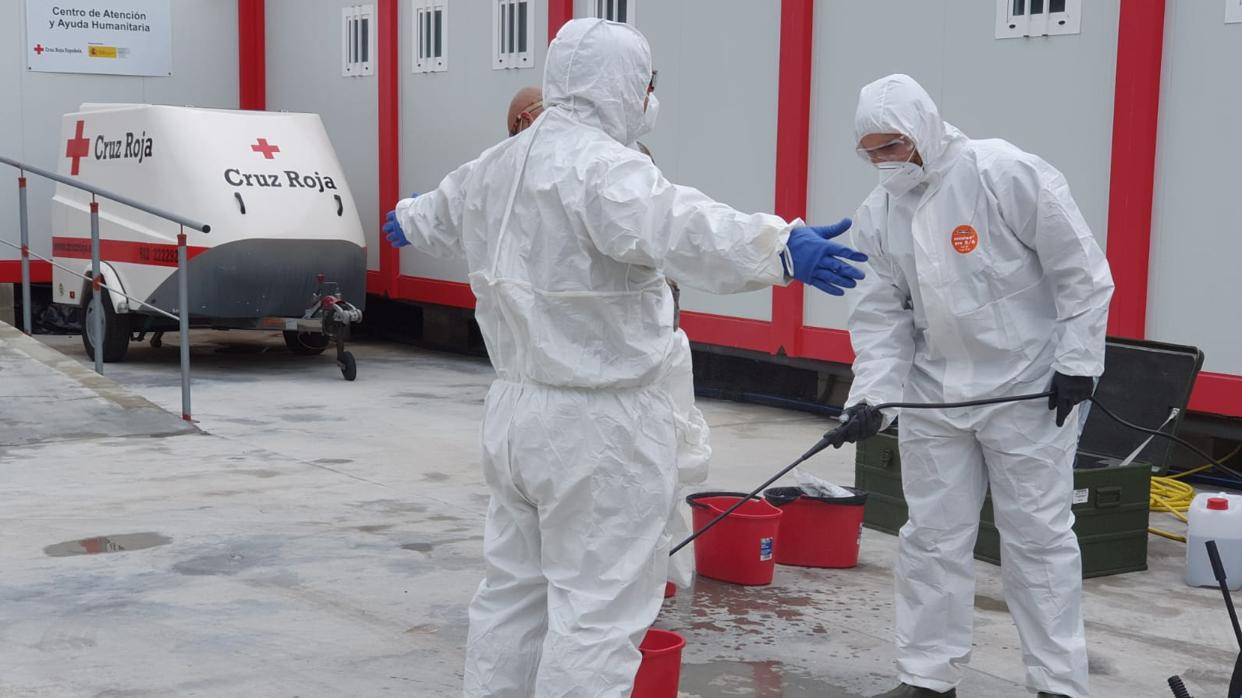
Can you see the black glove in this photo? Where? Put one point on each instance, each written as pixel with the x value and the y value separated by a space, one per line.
pixel 863 422
pixel 1067 392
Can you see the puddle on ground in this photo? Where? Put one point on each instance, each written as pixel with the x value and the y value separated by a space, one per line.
pixel 427 547
pixel 755 679
pixel 107 544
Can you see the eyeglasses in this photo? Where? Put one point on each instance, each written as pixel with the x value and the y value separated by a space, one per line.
pixel 655 77
pixel 896 150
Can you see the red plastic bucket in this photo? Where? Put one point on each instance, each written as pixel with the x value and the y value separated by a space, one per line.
pixel 660 671
pixel 670 590
pixel 740 549
pixel 817 531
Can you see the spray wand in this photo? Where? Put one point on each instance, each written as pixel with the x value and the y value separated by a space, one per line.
pixel 827 441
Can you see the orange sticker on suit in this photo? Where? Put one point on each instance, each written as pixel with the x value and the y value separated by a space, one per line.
pixel 965 239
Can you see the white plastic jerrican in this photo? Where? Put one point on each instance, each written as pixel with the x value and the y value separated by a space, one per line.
pixel 1223 525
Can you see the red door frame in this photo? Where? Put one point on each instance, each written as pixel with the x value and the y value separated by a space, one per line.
pixel 388 72
pixel 1135 119
pixel 252 54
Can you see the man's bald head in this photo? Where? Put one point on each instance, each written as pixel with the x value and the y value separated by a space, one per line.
pixel 525 107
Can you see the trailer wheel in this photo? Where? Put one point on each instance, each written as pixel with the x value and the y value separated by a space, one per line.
pixel 116 329
pixel 349 367
pixel 305 343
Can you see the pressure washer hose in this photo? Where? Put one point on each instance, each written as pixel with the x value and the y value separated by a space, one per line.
pixel 1169 494
pixel 826 441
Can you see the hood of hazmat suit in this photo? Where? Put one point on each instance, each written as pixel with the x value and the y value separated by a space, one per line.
pixel 567 235
pixel 984 281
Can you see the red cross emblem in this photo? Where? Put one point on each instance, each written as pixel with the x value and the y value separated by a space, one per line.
pixel 268 150
pixel 78 147
pixel 39 49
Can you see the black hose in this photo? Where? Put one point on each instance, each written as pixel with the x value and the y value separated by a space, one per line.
pixel 827 440
pixel 1170 437
pixel 1179 688
pixel 968 403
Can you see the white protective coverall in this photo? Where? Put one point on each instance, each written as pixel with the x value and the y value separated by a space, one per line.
pixel 694 453
pixel 984 281
pixel 567 235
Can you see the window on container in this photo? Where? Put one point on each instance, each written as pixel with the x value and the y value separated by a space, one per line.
pixel 430 36
pixel 513 38
pixel 615 10
pixel 357 39
pixel 1019 18
pixel 1233 11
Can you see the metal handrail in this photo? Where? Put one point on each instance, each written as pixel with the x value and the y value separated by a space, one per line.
pixel 87 277
pixel 96 276
pixel 179 220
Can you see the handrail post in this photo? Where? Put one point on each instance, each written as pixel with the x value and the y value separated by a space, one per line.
pixel 96 289
pixel 183 306
pixel 24 223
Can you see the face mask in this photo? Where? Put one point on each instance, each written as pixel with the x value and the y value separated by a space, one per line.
pixel 897 178
pixel 649 116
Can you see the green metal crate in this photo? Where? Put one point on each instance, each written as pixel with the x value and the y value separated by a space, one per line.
pixel 1145 382
pixel 1110 508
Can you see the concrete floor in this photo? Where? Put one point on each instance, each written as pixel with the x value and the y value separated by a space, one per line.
pixel 322 538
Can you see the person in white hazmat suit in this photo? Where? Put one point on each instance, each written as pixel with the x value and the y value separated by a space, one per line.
pixel 567 234
pixel 984 282
pixel 693 450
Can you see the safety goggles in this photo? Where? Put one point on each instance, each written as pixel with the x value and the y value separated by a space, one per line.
pixel 897 150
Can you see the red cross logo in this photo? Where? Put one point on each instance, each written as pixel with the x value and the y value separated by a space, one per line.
pixel 39 49
pixel 78 147
pixel 268 150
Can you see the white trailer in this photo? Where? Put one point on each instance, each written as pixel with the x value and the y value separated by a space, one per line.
pixel 284 230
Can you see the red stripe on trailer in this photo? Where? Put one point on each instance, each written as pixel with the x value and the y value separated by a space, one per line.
pixel 793 145
pixel 388 71
pixel 559 12
pixel 451 293
pixel 251 55
pixel 122 251
pixel 722 330
pixel 11 272
pixel 1136 106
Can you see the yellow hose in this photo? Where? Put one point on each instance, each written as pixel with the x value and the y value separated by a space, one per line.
pixel 1169 494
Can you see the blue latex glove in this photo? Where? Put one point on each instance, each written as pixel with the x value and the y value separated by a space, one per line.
pixel 817 260
pixel 392 229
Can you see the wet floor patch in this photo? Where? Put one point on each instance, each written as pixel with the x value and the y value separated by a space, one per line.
pixel 119 543
pixel 765 679
pixel 421 396
pixel 427 547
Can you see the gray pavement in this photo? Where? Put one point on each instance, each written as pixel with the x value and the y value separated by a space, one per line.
pixel 322 538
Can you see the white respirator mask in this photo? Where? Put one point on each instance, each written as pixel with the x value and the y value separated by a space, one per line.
pixel 897 178
pixel 649 116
